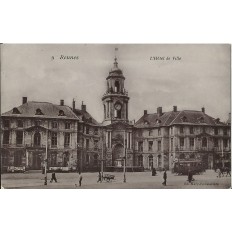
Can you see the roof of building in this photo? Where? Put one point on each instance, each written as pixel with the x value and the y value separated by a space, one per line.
pixel 86 117
pixel 42 110
pixel 184 117
pixel 115 71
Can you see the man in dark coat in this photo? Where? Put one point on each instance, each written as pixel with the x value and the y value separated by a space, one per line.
pixel 165 178
pixel 99 177
pixel 53 177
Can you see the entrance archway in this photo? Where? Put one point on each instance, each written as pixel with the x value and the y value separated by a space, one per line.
pixel 117 156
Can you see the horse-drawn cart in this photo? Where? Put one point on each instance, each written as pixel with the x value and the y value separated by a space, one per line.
pixel 108 177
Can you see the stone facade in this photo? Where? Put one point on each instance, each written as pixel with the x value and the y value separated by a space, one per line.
pixel 26 137
pixel 74 139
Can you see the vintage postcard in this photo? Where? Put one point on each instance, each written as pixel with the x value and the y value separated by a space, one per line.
pixel 115 116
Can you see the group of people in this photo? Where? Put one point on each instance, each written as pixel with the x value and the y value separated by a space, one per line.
pixel 220 172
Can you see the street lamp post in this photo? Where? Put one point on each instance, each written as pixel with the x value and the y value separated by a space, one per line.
pixel 124 166
pixel 46 159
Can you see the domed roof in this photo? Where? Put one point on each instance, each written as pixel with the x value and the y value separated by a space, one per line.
pixel 116 69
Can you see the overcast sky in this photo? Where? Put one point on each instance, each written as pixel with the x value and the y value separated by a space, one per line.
pixel 200 78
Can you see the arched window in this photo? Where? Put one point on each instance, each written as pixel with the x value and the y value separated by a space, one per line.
pixel 18 156
pixel 15 111
pixel 37 139
pixel 38 112
pixel 53 160
pixel 140 160
pixel 95 160
pixel 204 142
pixel 65 159
pixel 117 86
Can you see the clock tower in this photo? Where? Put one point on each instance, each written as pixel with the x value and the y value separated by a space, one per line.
pixel 115 100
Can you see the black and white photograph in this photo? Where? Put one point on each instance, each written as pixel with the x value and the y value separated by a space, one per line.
pixel 115 116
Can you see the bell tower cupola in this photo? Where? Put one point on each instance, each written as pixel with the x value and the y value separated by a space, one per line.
pixel 115 100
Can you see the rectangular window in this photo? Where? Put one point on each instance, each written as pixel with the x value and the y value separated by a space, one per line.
pixel 181 129
pixel 54 139
pixel 215 142
pixel 87 130
pixel 140 146
pixel 159 131
pixel 6 123
pixel 150 148
pixel 95 144
pixel 216 131
pixel 159 145
pixel 203 130
pixel 6 137
pixel 191 130
pixel 19 137
pixel 67 125
pixel 171 144
pixel 54 125
pixel 150 132
pixel 181 142
pixel 20 123
pixel 67 139
pixel 191 142
pixel 225 143
pixel 87 144
pixel 225 132
pixel 96 131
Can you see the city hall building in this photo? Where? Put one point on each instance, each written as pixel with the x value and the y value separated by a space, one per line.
pixel 69 138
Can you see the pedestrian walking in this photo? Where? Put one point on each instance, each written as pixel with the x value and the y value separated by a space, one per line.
pixel 228 171
pixel 190 177
pixel 99 177
pixel 219 173
pixel 80 179
pixel 165 178
pixel 53 177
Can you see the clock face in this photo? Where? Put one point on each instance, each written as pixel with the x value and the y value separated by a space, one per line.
pixel 117 106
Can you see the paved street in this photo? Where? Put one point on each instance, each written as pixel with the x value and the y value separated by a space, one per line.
pixel 136 180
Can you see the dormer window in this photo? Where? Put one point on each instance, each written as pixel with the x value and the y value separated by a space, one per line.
pixel 217 120
pixel 38 112
pixel 61 113
pixel 90 120
pixel 184 119
pixel 158 121
pixel 15 111
pixel 146 123
pixel 201 120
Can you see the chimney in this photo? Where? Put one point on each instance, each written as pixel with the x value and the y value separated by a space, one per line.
pixel 73 105
pixel 159 111
pixel 24 100
pixel 174 108
pixel 61 102
pixel 145 112
pixel 203 109
pixel 83 107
